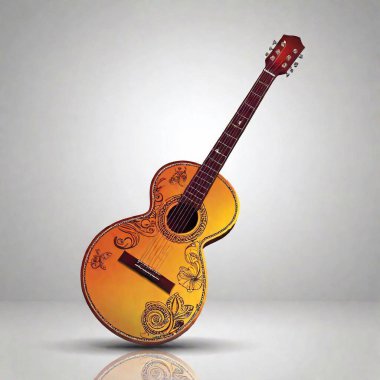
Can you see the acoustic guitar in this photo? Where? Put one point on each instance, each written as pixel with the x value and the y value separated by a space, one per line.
pixel 145 277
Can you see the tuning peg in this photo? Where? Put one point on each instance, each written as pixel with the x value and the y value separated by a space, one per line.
pixel 291 70
pixel 270 48
pixel 274 42
pixel 295 64
pixel 266 54
pixel 300 56
pixel 287 74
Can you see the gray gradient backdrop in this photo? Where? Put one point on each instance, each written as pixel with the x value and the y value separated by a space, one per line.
pixel 97 95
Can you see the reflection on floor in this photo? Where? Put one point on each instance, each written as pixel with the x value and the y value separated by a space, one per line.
pixel 240 341
pixel 147 366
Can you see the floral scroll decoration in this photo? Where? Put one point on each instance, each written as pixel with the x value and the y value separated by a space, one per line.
pixel 143 226
pixel 133 230
pixel 160 319
pixel 98 259
pixel 191 278
pixel 179 176
pixel 156 369
pixel 163 370
pixel 158 198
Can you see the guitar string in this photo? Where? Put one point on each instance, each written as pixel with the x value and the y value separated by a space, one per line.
pixel 218 165
pixel 245 106
pixel 267 85
pixel 187 210
pixel 227 137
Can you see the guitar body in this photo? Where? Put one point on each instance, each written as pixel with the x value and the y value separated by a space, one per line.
pixel 146 283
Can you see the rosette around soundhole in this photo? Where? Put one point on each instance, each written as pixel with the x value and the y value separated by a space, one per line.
pixel 180 237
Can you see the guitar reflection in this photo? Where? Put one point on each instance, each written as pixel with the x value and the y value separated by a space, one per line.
pixel 147 365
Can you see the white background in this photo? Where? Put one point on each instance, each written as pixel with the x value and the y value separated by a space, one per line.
pixel 95 96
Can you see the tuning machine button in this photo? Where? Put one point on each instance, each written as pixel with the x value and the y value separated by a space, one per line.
pixel 295 64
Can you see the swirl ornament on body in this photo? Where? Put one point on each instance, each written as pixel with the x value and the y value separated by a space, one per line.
pixel 156 318
pixel 145 226
pixel 156 370
pixel 160 319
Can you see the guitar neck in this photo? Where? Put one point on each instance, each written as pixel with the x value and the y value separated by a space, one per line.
pixel 201 183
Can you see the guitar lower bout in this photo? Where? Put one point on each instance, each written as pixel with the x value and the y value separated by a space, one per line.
pixel 145 277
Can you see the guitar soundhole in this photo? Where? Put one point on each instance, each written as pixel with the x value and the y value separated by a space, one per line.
pixel 182 218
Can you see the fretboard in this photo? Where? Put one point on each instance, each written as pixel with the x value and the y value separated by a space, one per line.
pixel 201 183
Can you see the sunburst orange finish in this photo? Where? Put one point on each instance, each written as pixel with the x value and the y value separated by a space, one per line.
pixel 125 301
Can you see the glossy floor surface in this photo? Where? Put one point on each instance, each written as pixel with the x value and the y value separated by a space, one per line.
pixel 229 341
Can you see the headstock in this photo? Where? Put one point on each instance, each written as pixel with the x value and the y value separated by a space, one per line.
pixel 283 55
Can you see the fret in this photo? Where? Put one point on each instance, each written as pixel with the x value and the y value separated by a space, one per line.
pixel 193 188
pixel 203 179
pixel 253 99
pixel 216 171
pixel 224 144
pixel 267 78
pixel 195 195
pixel 255 93
pixel 238 121
pixel 186 197
pixel 266 85
pixel 199 175
pixel 210 158
pixel 259 88
pixel 198 184
pixel 217 151
pixel 247 112
pixel 233 125
pixel 245 117
pixel 226 133
pixel 208 176
pixel 249 105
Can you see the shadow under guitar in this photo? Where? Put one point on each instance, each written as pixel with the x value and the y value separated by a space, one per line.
pixel 198 344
